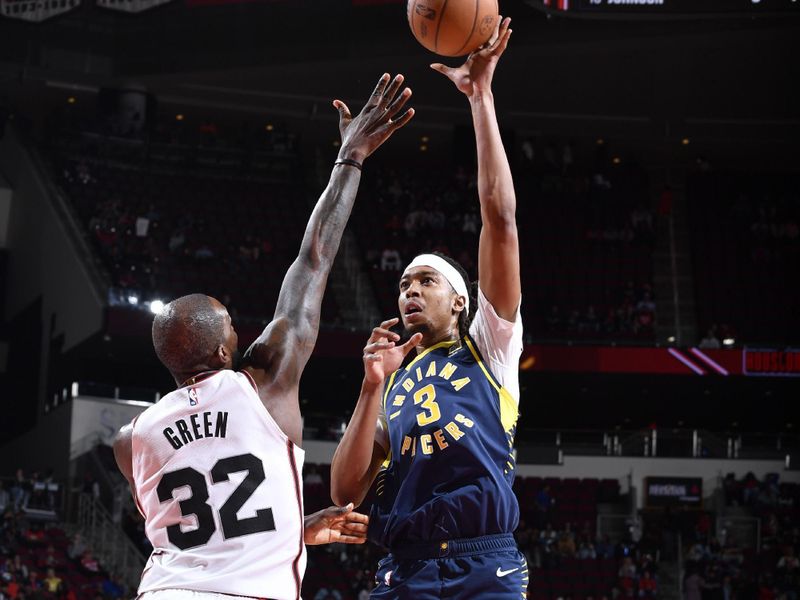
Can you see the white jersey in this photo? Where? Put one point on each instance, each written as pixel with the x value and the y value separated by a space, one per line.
pixel 219 486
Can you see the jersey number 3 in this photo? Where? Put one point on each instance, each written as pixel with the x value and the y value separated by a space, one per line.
pixel 197 505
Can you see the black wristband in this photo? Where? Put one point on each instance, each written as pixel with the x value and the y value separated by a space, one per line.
pixel 349 162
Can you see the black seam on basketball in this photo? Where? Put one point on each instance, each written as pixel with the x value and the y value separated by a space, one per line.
pixel 439 27
pixel 412 7
pixel 471 31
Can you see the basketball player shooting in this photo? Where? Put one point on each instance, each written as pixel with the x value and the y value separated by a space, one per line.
pixel 214 467
pixel 438 433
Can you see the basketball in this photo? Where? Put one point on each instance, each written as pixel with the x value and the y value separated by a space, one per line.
pixel 452 27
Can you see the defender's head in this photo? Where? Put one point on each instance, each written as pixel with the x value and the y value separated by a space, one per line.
pixel 435 298
pixel 194 334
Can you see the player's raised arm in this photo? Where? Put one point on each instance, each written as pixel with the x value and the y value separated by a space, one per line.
pixel 498 250
pixel 276 359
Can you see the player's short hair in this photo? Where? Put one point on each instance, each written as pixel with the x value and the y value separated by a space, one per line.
pixel 187 332
pixel 466 316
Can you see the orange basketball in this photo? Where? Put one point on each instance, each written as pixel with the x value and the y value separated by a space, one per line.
pixel 452 27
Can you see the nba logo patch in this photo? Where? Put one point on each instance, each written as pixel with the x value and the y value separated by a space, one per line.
pixel 193 399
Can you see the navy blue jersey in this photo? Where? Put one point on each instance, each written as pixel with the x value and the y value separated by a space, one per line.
pixel 450 467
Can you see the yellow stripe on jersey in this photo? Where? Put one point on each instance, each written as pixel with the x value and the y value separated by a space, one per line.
pixel 388 387
pixel 444 344
pixel 509 411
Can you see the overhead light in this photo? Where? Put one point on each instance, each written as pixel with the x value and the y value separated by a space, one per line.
pixel 600 141
pixel 424 139
pixel 179 117
pixel 685 141
pixel 133 300
pixel 728 342
pixel 71 100
pixel 423 148
pixel 336 143
pixel 616 160
pixel 671 339
pixel 156 306
pixel 269 127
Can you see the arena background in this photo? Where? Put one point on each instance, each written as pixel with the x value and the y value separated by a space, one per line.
pixel 150 149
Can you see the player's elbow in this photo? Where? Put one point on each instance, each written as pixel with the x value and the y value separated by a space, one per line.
pixel 342 495
pixel 345 486
pixel 500 219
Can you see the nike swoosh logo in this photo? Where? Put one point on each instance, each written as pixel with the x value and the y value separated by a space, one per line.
pixel 501 573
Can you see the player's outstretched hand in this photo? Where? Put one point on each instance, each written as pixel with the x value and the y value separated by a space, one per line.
pixel 335 524
pixel 377 121
pixel 381 356
pixel 475 75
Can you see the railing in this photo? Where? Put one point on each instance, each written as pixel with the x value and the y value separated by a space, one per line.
pixel 616 527
pixel 663 442
pixel 116 551
pixel 746 531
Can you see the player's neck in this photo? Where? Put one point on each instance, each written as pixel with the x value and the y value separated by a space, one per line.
pixel 192 377
pixel 451 335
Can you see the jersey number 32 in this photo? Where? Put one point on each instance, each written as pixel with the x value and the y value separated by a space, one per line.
pixel 197 505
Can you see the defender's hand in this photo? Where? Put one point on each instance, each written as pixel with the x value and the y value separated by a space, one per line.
pixel 381 356
pixel 475 75
pixel 335 524
pixel 364 133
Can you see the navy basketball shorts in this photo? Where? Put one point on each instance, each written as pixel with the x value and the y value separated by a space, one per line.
pixel 488 567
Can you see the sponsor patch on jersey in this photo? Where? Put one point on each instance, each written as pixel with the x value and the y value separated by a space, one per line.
pixel 194 400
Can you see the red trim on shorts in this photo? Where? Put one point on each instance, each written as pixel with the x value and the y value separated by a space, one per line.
pixel 250 378
pixel 295 563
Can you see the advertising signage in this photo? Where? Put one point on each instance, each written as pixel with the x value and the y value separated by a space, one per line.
pixel 673 491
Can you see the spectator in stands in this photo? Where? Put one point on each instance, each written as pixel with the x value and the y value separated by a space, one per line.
pixel 544 502
pixel 312 477
pixel 77 547
pixel 553 320
pixel 325 594
pixel 693 586
pixel 604 548
pixel 90 564
pixel 52 583
pixel 112 589
pixel 750 489
pixel 470 223
pixel 5 498
pixel 12 588
pixel 390 259
pixel 586 550
pixel 18 568
pixel 648 588
pixel 589 323
pixel 566 545
pixel 788 573
pixel 710 341
pixel 645 312
pixel 176 240
pixel 20 490
pixel 627 568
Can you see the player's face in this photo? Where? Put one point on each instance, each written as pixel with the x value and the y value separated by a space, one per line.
pixel 427 302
